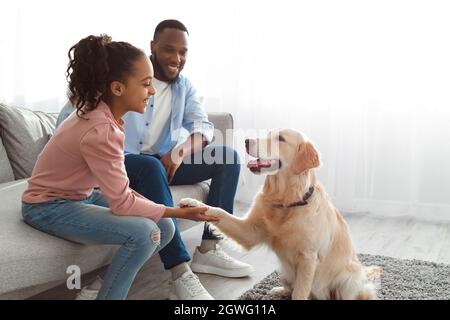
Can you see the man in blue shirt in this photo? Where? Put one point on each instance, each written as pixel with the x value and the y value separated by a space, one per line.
pixel 168 145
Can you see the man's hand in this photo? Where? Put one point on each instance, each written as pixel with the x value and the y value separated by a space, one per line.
pixel 172 161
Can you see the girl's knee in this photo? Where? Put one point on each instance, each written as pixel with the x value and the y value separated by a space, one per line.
pixel 167 227
pixel 145 232
pixel 156 237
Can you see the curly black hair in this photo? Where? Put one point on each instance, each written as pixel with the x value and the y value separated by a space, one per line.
pixel 95 62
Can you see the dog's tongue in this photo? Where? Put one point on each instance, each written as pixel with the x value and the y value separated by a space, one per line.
pixel 258 163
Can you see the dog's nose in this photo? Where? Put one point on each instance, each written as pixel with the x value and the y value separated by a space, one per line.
pixel 247 144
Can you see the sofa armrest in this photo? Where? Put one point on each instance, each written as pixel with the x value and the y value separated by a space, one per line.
pixel 223 127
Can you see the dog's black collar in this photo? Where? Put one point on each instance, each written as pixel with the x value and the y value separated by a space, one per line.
pixel 299 203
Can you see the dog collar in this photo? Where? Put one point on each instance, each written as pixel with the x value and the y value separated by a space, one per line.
pixel 299 203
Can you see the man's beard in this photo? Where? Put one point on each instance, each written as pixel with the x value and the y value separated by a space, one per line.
pixel 159 70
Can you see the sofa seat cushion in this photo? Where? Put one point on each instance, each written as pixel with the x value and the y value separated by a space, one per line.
pixel 24 134
pixel 30 257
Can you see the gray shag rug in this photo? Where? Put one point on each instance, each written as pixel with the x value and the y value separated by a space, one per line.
pixel 401 280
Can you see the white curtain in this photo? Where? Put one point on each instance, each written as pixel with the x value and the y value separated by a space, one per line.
pixel 367 81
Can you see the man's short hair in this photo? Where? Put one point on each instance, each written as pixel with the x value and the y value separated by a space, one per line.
pixel 169 24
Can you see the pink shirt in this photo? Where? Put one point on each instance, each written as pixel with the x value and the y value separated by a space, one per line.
pixel 84 154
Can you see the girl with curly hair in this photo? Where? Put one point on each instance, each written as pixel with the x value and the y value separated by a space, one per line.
pixel 106 80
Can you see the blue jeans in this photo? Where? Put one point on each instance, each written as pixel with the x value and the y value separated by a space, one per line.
pixel 148 177
pixel 90 221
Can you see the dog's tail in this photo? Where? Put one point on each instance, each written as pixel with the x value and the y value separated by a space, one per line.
pixel 373 273
pixel 372 284
pixel 368 292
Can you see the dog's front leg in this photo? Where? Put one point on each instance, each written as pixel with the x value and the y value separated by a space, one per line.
pixel 304 276
pixel 245 231
pixel 241 230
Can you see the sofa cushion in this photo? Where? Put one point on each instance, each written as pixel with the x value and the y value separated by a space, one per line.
pixel 6 173
pixel 24 134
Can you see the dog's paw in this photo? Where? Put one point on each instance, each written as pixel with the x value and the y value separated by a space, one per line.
pixel 216 212
pixel 189 202
pixel 280 293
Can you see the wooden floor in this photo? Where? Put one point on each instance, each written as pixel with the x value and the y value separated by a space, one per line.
pixel 394 237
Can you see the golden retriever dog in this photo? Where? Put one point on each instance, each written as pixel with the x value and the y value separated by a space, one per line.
pixel 294 216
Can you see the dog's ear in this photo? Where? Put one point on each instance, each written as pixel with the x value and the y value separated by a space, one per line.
pixel 306 158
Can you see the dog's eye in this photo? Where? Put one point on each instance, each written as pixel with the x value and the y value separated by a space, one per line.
pixel 281 139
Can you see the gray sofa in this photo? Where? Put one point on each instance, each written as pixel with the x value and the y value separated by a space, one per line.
pixel 32 261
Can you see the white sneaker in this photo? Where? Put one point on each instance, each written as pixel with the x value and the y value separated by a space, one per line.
pixel 219 263
pixel 188 287
pixel 89 293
